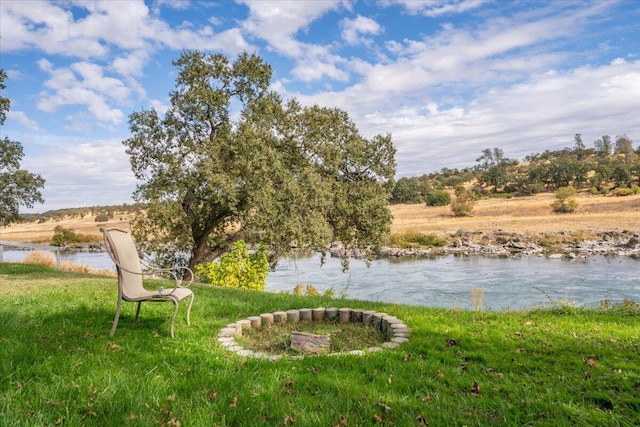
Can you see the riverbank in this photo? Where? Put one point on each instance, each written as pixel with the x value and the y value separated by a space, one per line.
pixel 518 226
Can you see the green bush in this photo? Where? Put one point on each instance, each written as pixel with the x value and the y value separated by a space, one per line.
pixel 414 240
pixel 438 198
pixel 237 269
pixel 464 202
pixel 66 236
pixel 565 203
pixel 102 217
pixel 623 191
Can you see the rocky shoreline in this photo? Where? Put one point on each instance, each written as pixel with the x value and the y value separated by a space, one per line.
pixel 496 243
pixel 508 244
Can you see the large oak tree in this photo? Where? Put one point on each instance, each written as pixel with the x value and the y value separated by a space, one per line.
pixel 18 187
pixel 231 160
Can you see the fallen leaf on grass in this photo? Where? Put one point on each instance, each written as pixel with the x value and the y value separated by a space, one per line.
pixel 234 403
pixel 590 362
pixel 289 420
pixel 113 346
pixel 422 421
pixel 427 398
pixel 451 342
pixel 343 422
pixel 475 388
pixel 385 407
pixel 213 394
pixel 288 386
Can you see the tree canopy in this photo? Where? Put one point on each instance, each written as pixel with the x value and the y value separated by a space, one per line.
pixel 18 187
pixel 230 160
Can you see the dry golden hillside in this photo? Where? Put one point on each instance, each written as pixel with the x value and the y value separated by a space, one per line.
pixel 527 215
pixel 530 215
pixel 34 232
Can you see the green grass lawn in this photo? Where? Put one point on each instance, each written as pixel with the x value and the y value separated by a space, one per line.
pixel 58 365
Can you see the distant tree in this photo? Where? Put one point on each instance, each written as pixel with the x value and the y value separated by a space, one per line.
pixel 65 236
pixel 603 146
pixel 231 161
pixel 407 190
pixel 464 202
pixel 624 146
pixel 18 187
pixel 496 176
pixel 565 201
pixel 491 157
pixel 603 170
pixel 438 198
pixel 579 148
pixel 621 175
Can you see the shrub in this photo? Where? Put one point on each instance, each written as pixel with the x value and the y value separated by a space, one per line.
pixel 464 202
pixel 102 217
pixel 415 239
pixel 565 203
pixel 438 198
pixel 40 258
pixel 237 269
pixel 311 291
pixel 623 191
pixel 65 236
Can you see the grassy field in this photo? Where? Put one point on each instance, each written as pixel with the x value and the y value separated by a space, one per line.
pixel 58 366
pixel 530 215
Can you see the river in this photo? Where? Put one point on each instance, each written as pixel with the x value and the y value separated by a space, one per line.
pixel 449 281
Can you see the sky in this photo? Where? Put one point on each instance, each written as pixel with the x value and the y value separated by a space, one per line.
pixel 446 78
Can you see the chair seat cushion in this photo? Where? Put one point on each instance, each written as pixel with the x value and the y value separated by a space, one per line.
pixel 179 293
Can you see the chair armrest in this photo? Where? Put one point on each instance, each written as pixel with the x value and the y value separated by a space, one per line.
pixel 179 282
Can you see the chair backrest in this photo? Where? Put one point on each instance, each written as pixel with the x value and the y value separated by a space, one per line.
pixel 124 254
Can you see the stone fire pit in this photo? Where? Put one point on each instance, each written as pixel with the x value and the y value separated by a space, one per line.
pixel 395 331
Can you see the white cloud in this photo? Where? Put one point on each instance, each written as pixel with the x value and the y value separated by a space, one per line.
pixel 131 64
pixel 278 23
pixel 24 121
pixel 542 113
pixel 85 174
pixel 83 83
pixel 354 29
pixel 125 25
pixel 435 8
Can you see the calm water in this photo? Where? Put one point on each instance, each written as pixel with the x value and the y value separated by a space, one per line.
pixel 449 281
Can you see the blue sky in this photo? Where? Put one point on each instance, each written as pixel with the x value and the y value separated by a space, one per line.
pixel 447 78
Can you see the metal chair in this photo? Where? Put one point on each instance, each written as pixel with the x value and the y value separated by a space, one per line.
pixel 122 250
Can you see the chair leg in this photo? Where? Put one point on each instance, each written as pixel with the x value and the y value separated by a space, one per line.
pixel 173 318
pixel 189 310
pixel 115 320
pixel 135 319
